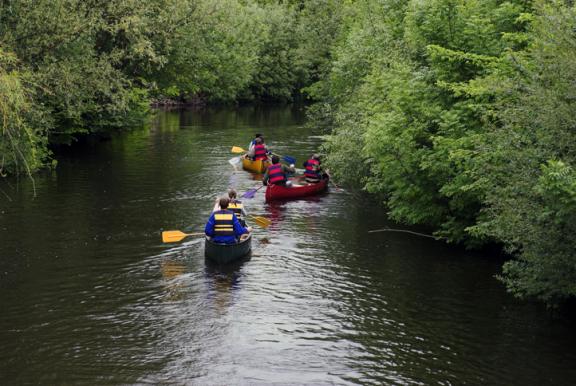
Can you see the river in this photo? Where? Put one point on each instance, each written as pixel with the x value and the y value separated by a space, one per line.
pixel 90 295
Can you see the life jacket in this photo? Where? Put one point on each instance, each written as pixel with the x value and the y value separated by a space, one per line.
pixel 275 174
pixel 236 207
pixel 311 172
pixel 260 152
pixel 223 223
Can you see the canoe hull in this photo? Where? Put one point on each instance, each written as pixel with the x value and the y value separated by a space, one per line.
pixel 259 166
pixel 275 192
pixel 227 253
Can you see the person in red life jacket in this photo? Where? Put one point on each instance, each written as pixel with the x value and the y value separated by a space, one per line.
pixel 259 151
pixel 277 174
pixel 253 142
pixel 223 226
pixel 312 170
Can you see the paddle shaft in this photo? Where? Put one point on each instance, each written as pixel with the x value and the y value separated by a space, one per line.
pixel 261 186
pixel 287 158
pixel 330 180
pixel 250 193
pixel 175 236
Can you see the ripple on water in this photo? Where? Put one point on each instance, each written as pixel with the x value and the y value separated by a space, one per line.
pixel 96 297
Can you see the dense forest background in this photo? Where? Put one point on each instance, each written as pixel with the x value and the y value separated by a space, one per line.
pixel 459 114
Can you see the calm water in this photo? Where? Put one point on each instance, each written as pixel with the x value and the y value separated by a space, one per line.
pixel 89 294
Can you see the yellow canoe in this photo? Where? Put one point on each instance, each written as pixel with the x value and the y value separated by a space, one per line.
pixel 259 166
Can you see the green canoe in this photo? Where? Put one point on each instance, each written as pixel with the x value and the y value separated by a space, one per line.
pixel 226 253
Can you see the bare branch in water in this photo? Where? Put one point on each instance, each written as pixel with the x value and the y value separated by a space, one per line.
pixel 407 231
pixel 6 194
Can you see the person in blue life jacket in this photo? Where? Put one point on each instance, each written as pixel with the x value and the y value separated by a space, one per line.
pixel 277 174
pixel 312 170
pixel 253 142
pixel 259 151
pixel 223 226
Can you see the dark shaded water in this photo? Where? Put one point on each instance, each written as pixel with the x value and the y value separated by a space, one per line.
pixel 89 294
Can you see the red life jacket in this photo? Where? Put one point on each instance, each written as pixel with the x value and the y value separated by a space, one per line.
pixel 275 174
pixel 260 152
pixel 311 172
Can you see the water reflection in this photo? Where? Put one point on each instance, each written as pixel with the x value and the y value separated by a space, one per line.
pixel 276 212
pixel 95 297
pixel 172 271
pixel 223 281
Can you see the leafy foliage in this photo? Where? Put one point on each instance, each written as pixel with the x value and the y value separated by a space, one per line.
pixel 530 156
pixel 460 116
pixel 21 146
pixel 84 67
pixel 424 104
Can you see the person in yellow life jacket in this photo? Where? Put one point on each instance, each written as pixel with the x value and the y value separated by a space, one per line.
pixel 223 226
pixel 277 174
pixel 259 151
pixel 236 206
pixel 312 170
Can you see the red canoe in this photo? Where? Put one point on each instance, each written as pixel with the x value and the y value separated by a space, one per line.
pixel 275 192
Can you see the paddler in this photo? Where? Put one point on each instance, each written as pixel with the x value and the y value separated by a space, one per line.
pixel 312 170
pixel 223 226
pixel 234 205
pixel 253 142
pixel 277 174
pixel 259 151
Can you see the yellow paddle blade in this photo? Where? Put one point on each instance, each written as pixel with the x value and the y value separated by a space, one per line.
pixel 237 149
pixel 261 221
pixel 175 236
pixel 172 236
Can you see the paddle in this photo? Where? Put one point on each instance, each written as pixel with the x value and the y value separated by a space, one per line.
pixel 175 236
pixel 330 180
pixel 287 158
pixel 250 193
pixel 234 161
pixel 261 221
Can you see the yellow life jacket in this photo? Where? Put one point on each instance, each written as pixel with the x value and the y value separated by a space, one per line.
pixel 236 207
pixel 223 223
